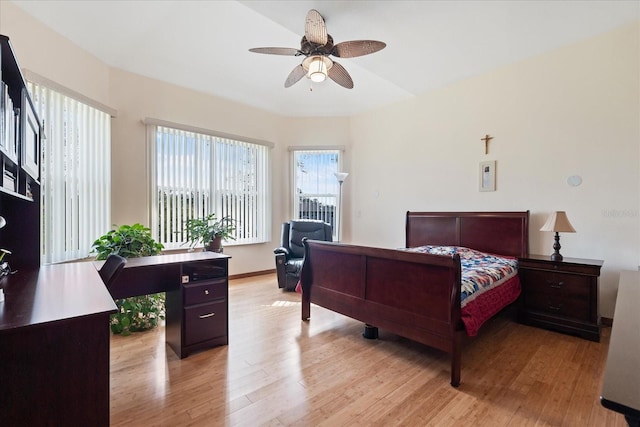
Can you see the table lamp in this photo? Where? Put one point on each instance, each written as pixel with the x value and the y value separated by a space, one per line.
pixel 558 222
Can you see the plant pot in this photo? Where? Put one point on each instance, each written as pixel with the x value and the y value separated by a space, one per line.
pixel 214 245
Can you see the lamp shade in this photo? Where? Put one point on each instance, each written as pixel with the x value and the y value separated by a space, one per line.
pixel 558 222
pixel 341 176
pixel 317 67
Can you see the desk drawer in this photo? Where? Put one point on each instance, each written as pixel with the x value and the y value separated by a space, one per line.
pixel 204 322
pixel 205 292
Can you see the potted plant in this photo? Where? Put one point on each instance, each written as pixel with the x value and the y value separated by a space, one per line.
pixel 210 231
pixel 5 269
pixel 138 313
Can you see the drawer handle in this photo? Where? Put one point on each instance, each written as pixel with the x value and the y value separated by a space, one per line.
pixel 206 291
pixel 555 285
pixel 555 307
pixel 204 316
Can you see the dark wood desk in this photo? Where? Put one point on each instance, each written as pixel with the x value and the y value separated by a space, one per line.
pixel 54 347
pixel 621 385
pixel 54 331
pixel 196 286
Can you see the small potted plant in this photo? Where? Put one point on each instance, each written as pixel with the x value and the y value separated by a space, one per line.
pixel 210 231
pixel 5 269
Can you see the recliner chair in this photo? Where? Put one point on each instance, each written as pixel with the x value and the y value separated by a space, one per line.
pixel 290 254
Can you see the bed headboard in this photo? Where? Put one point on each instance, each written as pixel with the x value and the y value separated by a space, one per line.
pixel 503 233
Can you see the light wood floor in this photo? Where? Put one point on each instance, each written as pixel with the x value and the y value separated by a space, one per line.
pixel 279 371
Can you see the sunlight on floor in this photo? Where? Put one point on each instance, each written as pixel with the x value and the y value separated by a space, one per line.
pixel 285 304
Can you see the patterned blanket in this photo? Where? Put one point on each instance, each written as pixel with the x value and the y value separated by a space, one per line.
pixel 480 271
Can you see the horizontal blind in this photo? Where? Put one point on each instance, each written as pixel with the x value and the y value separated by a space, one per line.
pixel 75 175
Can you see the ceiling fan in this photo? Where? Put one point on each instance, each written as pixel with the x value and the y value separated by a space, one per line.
pixel 316 46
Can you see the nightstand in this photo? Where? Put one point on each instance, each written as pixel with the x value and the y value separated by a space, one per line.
pixel 560 295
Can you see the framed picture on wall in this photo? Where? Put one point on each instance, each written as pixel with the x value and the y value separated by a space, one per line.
pixel 488 176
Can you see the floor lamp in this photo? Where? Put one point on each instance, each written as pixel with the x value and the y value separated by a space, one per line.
pixel 340 176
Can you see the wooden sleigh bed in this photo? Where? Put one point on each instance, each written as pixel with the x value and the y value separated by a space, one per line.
pixel 414 295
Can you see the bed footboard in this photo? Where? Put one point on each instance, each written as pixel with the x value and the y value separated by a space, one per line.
pixel 413 295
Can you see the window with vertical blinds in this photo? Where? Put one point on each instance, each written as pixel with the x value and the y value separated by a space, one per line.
pixel 316 188
pixel 195 174
pixel 75 175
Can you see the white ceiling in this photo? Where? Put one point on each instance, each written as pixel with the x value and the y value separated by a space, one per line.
pixel 204 44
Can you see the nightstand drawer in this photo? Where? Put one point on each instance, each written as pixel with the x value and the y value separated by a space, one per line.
pixel 556 284
pixel 205 292
pixel 204 322
pixel 578 309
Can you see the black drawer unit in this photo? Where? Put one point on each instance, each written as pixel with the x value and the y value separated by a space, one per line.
pixel 197 312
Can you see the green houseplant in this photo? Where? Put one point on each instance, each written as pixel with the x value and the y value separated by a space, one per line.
pixel 210 231
pixel 138 313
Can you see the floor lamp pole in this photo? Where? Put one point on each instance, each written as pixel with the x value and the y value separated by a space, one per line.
pixel 339 213
pixel 340 176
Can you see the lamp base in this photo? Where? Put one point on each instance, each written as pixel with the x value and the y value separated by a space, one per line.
pixel 556 256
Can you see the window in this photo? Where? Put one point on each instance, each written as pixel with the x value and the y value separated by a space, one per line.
pixel 75 175
pixel 195 174
pixel 316 189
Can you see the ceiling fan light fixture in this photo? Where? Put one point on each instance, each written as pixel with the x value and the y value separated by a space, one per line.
pixel 317 70
pixel 317 46
pixel 317 67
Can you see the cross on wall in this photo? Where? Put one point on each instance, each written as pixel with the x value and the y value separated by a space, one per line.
pixel 486 140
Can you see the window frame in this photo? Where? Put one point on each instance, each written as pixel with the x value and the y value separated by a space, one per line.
pixel 261 201
pixel 295 204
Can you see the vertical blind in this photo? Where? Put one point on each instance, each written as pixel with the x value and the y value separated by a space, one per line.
pixel 315 186
pixel 75 175
pixel 195 174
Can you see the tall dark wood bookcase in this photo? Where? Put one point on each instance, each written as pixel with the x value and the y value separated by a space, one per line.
pixel 20 154
pixel 54 320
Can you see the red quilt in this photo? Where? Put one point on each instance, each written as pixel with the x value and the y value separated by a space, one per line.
pixel 489 283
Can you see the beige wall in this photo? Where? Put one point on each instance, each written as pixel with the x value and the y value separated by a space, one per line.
pixel 49 54
pixel 572 111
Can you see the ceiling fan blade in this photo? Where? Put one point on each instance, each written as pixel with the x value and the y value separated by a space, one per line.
pixel 288 51
pixel 354 48
pixel 295 75
pixel 315 29
pixel 338 74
